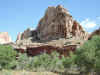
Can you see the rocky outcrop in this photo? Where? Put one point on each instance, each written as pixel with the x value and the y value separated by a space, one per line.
pixel 19 36
pixel 57 30
pixel 96 32
pixel 58 23
pixel 33 51
pixel 5 38
pixel 27 36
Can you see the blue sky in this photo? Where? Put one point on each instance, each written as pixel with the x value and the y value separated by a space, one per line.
pixel 18 15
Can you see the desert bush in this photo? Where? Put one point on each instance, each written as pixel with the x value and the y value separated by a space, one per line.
pixel 88 56
pixel 69 61
pixel 47 62
pixel 7 57
pixel 23 62
pixel 43 62
pixel 69 64
pixel 53 63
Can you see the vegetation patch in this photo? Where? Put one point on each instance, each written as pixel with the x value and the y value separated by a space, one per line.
pixel 85 61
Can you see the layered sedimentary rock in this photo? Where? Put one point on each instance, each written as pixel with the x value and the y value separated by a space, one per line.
pixel 27 36
pixel 58 23
pixel 55 24
pixel 57 30
pixel 5 38
pixel 33 51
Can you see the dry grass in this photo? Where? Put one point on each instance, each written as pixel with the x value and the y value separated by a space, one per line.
pixel 6 72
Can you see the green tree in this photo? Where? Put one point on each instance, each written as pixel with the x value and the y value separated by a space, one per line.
pixel 7 57
pixel 48 62
pixel 88 56
pixel 23 62
pixel 69 63
pixel 43 62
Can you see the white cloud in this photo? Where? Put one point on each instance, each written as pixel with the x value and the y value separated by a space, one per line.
pixel 98 17
pixel 88 24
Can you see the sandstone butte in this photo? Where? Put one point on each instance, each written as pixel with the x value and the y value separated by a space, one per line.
pixel 56 28
pixel 5 38
pixel 56 23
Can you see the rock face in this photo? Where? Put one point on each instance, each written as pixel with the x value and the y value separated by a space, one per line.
pixel 58 23
pixel 33 51
pixel 27 36
pixel 5 38
pixel 19 36
pixel 56 30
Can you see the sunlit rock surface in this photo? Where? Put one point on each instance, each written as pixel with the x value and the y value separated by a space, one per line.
pixel 5 38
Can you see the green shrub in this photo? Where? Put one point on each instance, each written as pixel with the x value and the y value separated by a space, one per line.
pixel 88 56
pixel 50 62
pixel 23 62
pixel 7 57
pixel 69 64
pixel 43 62
pixel 69 61
pixel 47 62
pixel 6 72
pixel 53 63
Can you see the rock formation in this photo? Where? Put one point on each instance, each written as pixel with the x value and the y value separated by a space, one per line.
pixel 56 29
pixel 27 36
pixel 5 38
pixel 33 51
pixel 58 23
pixel 96 32
pixel 19 36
